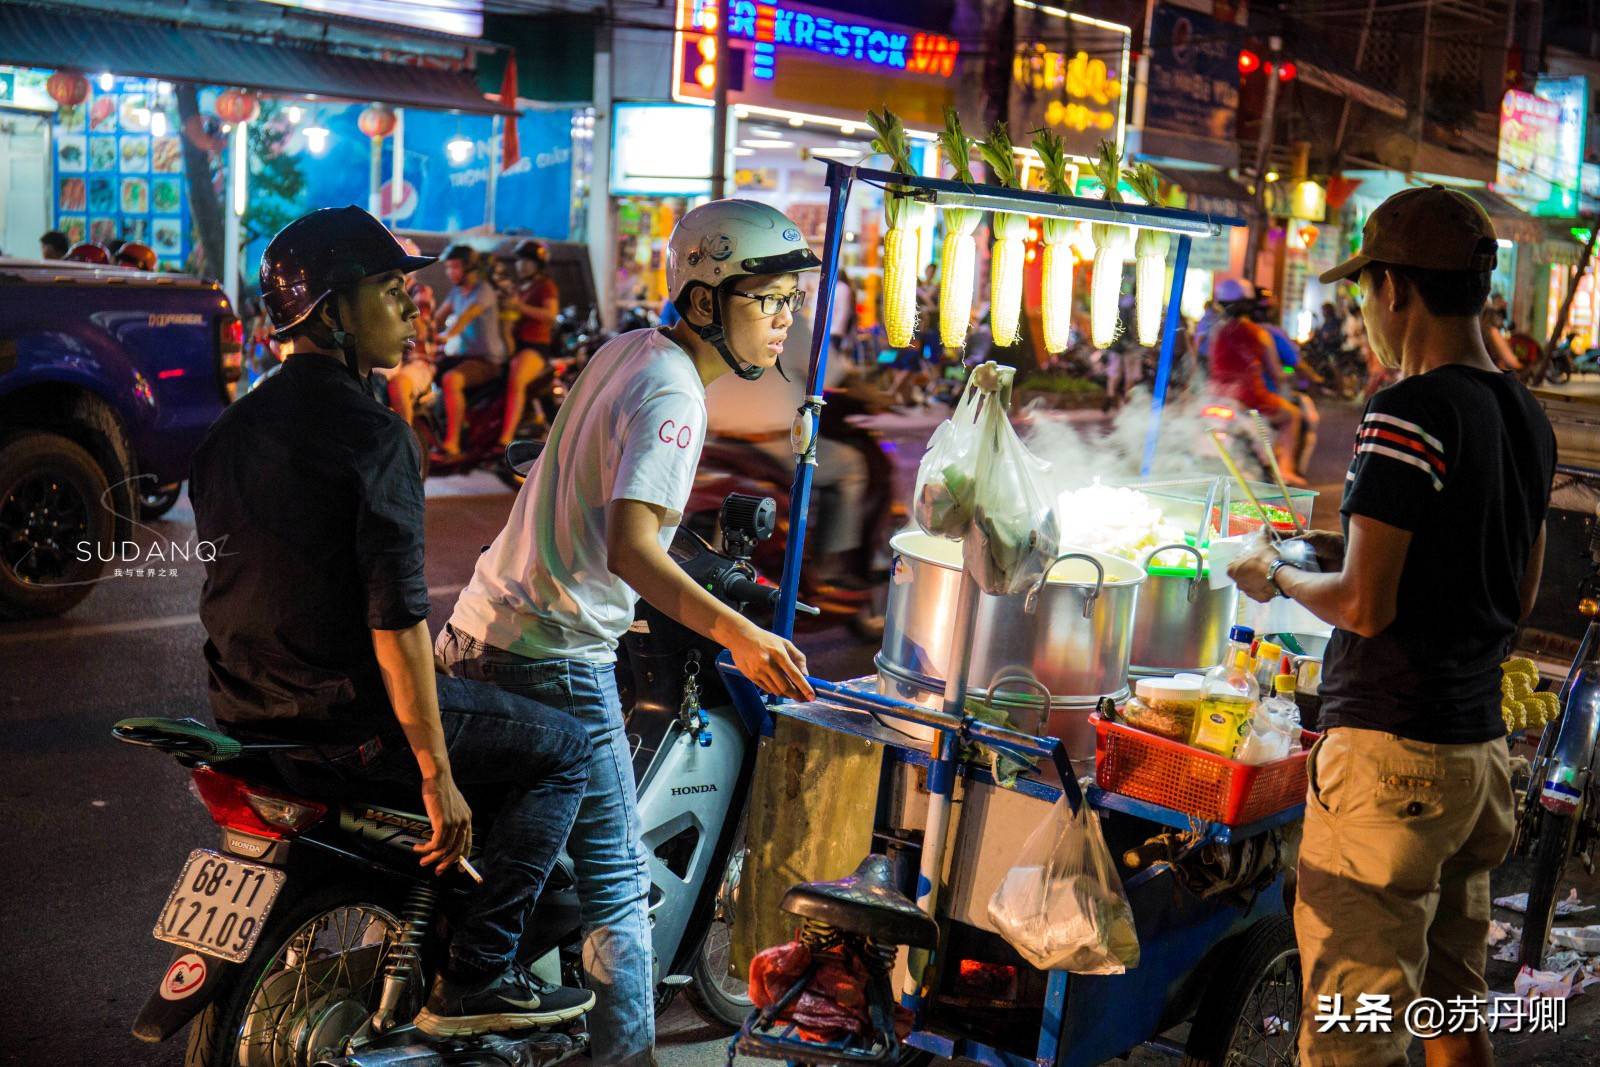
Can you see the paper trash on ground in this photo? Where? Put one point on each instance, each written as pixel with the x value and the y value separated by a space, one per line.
pixel 1569 906
pixel 1499 931
pixel 1586 939
pixel 1557 985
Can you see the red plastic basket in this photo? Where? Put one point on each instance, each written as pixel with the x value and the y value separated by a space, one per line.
pixel 1170 773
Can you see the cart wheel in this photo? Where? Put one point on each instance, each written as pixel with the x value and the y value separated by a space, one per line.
pixel 1251 1014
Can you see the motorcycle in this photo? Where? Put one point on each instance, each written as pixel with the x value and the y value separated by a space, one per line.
pixel 1563 364
pixel 576 338
pixel 306 937
pixel 1343 370
pixel 1560 813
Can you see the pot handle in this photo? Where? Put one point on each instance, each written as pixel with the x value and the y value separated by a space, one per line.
pixel 1025 678
pixel 1032 603
pixel 1199 565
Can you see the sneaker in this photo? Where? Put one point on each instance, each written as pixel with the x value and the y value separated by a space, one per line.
pixel 516 1000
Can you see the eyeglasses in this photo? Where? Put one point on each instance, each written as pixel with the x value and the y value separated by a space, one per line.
pixel 772 303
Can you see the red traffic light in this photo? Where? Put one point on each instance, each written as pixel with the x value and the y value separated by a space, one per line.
pixel 1249 62
pixel 1287 70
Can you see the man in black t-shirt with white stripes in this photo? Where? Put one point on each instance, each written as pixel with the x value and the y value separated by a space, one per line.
pixel 1409 805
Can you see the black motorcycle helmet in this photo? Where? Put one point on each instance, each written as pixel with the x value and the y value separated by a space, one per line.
pixel 320 253
pixel 534 250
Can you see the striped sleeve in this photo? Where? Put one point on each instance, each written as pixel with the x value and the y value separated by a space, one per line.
pixel 1400 462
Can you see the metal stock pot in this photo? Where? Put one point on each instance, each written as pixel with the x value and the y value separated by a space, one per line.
pixel 1076 639
pixel 1182 623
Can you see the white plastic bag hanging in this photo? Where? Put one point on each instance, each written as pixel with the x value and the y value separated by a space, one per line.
pixel 1014 536
pixel 943 500
pixel 1062 906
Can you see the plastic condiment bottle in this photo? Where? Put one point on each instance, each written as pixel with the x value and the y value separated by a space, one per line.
pixel 1267 657
pixel 1228 696
pixel 1283 690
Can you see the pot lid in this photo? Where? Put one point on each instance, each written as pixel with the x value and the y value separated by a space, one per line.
pixel 1180 688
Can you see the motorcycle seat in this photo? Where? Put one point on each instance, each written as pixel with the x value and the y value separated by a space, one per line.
pixel 866 903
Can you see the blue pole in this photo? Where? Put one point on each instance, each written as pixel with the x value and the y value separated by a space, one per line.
pixel 1169 334
pixel 839 178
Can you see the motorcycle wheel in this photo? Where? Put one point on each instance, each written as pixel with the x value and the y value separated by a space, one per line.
pixel 307 987
pixel 717 997
pixel 1550 855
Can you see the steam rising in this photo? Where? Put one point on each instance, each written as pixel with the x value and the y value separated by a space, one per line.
pixel 1080 458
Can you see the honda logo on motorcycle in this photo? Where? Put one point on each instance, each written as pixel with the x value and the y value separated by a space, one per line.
pixel 685 790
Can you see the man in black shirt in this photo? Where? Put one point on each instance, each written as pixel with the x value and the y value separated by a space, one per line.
pixel 1409 805
pixel 315 608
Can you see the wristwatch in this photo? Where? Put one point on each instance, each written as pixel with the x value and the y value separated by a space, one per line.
pixel 1272 575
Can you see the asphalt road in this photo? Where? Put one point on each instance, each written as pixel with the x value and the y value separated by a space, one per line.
pixel 94 832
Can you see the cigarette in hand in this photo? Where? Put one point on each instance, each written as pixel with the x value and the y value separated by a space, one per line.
pixel 468 869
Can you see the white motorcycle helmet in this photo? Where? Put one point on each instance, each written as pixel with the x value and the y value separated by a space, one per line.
pixel 720 242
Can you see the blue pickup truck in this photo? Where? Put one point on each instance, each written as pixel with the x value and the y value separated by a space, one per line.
pixel 109 378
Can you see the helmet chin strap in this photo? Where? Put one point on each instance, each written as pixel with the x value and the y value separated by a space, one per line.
pixel 715 336
pixel 345 341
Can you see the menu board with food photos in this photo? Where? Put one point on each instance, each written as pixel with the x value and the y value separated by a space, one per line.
pixel 114 180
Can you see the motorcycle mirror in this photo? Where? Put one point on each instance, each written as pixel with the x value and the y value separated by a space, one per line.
pixel 521 454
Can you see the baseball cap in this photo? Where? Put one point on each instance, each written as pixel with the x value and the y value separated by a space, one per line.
pixel 1433 228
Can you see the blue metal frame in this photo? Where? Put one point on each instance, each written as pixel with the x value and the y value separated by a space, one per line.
pixel 1176 935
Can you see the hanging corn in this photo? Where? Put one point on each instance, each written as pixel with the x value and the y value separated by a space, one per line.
pixel 1010 230
pixel 960 255
pixel 1149 260
pixel 1057 294
pixel 904 216
pixel 1110 252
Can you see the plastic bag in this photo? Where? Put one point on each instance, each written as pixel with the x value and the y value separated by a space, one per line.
pixel 943 498
pixel 1014 536
pixel 1063 906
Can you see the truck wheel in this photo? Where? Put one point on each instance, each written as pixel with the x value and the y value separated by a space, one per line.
pixel 158 500
pixel 53 513
pixel 1251 1012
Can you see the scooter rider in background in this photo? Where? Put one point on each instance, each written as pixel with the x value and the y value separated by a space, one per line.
pixel 1242 358
pixel 316 611
pixel 588 536
pixel 538 303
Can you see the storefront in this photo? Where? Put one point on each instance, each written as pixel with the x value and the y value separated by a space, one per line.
pixel 414 139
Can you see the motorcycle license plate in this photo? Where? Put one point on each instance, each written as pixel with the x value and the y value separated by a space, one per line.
pixel 219 905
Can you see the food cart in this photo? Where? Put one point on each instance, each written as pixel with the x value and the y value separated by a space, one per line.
pixel 1201 857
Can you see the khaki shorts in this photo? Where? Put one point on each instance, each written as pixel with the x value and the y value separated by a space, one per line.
pixel 1393 881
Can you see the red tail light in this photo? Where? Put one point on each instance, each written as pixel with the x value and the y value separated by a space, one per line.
pixel 250 809
pixel 230 349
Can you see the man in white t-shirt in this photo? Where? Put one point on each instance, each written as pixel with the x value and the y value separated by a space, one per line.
pixel 588 535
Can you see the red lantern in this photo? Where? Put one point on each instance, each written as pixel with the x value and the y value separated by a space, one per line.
pixel 237 105
pixel 67 88
pixel 377 121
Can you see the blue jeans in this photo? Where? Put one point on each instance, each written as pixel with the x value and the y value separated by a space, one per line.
pixel 533 755
pixel 608 858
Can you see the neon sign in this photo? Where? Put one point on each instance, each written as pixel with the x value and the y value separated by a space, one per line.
pixel 791 26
